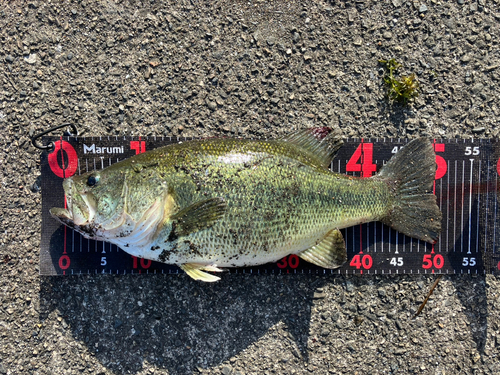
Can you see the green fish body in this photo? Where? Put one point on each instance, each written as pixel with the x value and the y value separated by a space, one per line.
pixel 213 203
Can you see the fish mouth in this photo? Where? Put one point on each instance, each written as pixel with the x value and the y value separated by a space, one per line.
pixel 80 211
pixel 62 215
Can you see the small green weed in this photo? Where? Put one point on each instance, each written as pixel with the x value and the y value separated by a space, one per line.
pixel 402 89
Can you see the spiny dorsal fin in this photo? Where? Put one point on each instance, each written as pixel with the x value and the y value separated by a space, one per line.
pixel 138 167
pixel 196 271
pixel 198 216
pixel 329 253
pixel 321 144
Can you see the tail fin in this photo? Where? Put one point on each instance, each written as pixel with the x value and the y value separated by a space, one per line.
pixel 411 174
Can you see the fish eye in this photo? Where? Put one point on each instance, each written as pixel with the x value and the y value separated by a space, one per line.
pixel 92 180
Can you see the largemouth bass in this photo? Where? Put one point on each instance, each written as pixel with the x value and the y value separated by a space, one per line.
pixel 208 204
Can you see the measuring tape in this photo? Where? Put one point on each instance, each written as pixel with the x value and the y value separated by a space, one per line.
pixel 466 187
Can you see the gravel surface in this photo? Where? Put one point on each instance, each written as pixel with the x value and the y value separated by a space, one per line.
pixel 238 68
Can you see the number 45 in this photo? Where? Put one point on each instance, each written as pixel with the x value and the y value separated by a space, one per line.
pixel 396 261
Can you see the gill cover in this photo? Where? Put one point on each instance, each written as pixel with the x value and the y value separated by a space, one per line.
pixel 116 202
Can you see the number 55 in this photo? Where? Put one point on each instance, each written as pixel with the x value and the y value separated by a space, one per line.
pixel 469 262
pixel 472 150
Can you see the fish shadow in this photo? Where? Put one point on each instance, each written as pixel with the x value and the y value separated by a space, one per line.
pixel 176 323
pixel 473 297
pixel 471 243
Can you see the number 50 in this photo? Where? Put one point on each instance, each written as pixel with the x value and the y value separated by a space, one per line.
pixel 437 261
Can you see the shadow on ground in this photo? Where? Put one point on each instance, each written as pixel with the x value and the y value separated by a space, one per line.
pixel 473 298
pixel 174 322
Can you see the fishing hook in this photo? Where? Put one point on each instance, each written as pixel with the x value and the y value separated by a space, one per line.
pixel 50 146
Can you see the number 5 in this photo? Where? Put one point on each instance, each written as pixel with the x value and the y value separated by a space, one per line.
pixel 442 167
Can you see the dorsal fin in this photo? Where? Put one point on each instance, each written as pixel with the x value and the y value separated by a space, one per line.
pixel 320 144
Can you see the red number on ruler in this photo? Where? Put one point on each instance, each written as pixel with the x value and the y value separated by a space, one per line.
pixel 498 166
pixel 138 146
pixel 145 263
pixel 64 262
pixel 291 260
pixel 437 261
pixel 68 158
pixel 366 261
pixel 363 155
pixel 442 167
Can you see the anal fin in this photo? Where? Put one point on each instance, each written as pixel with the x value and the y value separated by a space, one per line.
pixel 197 272
pixel 329 253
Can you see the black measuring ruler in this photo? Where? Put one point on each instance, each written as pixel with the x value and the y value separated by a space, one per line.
pixel 466 186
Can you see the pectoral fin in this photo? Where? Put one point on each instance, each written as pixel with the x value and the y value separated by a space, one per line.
pixel 329 253
pixel 198 216
pixel 196 271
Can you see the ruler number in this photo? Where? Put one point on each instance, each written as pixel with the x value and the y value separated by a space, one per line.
pixel 138 146
pixel 64 262
pixel 365 261
pixel 63 161
pixel 396 261
pixel 472 150
pixel 442 166
pixel 290 260
pixel 468 262
pixel 103 261
pixel 362 160
pixel 145 263
pixel 437 261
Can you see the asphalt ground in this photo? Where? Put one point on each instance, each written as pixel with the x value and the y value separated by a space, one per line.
pixel 248 69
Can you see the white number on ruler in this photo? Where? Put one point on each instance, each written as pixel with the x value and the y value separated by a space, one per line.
pixel 103 261
pixel 469 262
pixel 396 261
pixel 396 149
pixel 472 150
